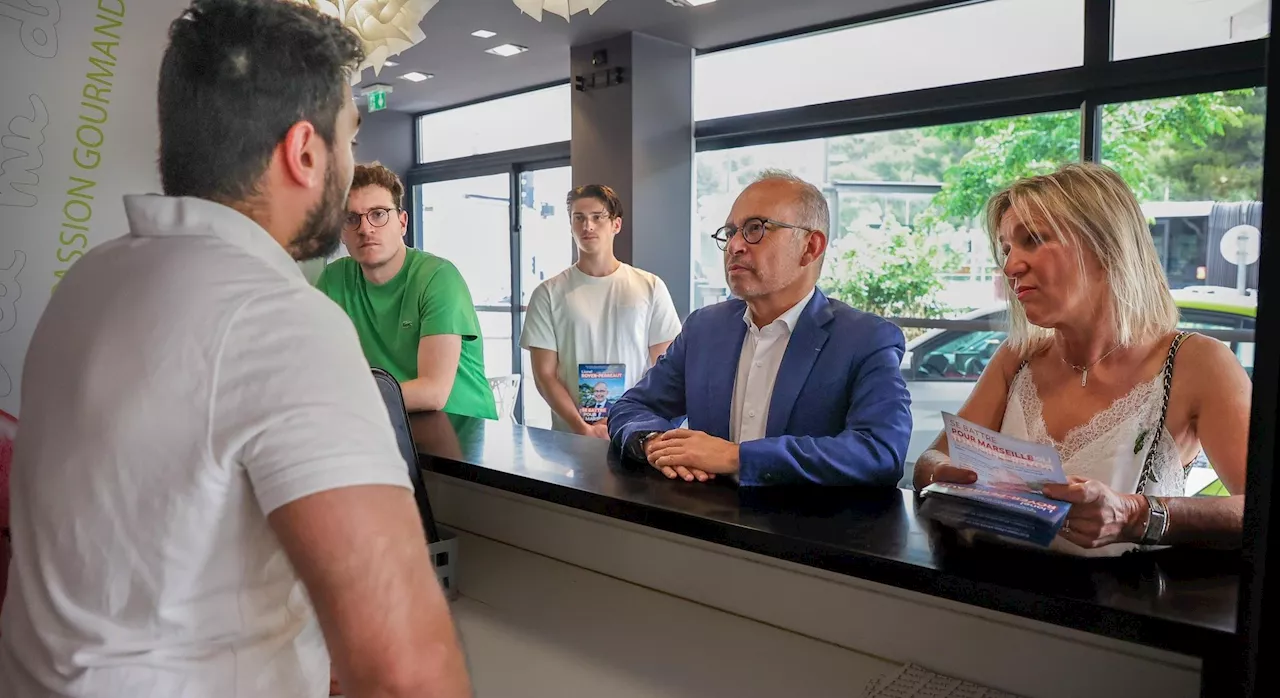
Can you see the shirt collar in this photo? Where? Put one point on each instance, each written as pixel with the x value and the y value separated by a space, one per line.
pixel 788 318
pixel 152 216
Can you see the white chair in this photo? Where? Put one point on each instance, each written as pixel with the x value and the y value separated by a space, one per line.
pixel 505 391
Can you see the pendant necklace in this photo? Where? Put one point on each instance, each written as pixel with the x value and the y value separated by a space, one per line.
pixel 1084 370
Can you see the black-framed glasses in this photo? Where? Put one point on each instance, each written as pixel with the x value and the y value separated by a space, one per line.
pixel 753 230
pixel 378 217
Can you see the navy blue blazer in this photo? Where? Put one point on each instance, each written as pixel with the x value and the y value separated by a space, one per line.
pixel 840 413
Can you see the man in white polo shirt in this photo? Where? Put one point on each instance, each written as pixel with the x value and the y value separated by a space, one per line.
pixel 206 487
pixel 598 323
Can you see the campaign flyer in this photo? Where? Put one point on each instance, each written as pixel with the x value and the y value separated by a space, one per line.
pixel 1006 500
pixel 599 387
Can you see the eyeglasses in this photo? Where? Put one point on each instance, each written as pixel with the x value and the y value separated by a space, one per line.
pixel 378 217
pixel 597 217
pixel 752 230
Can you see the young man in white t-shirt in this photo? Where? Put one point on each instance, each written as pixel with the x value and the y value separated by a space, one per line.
pixel 597 326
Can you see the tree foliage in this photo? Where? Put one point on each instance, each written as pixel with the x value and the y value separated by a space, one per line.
pixel 889 271
pixel 1157 146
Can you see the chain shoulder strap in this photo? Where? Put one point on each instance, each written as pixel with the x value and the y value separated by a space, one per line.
pixel 1148 465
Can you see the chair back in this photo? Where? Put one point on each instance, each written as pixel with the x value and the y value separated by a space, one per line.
pixel 505 391
pixel 389 387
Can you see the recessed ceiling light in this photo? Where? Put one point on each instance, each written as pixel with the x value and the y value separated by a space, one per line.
pixel 507 50
pixel 689 3
pixel 416 76
pixel 390 64
pixel 483 34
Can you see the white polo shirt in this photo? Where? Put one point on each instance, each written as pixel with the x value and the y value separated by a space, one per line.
pixel 184 382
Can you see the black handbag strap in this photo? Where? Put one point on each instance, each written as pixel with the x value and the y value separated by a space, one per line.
pixel 1148 464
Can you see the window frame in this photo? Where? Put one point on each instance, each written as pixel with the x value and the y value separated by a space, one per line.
pixel 511 163
pixel 1100 81
pixel 418 117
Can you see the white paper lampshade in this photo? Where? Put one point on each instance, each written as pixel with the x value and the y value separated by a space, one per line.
pixel 564 8
pixel 385 27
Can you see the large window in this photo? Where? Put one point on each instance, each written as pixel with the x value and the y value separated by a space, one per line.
pixel 1150 27
pixel 518 121
pixel 907 242
pixel 981 41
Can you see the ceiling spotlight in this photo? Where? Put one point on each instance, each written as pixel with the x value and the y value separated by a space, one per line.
pixel 416 76
pixel 483 34
pixel 689 3
pixel 390 64
pixel 507 50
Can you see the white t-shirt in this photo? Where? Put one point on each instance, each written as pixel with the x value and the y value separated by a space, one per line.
pixel 591 320
pixel 184 382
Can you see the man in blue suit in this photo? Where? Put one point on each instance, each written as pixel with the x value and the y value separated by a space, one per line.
pixel 780 385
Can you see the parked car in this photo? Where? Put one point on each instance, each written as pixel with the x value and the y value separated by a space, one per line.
pixel 941 366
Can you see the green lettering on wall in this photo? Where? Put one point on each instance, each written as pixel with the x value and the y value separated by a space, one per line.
pixel 98 83
pixel 105 29
pixel 104 77
pixel 82 190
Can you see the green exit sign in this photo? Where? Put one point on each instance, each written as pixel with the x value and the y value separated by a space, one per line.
pixel 377 101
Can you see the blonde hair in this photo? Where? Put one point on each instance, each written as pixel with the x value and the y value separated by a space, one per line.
pixel 1090 207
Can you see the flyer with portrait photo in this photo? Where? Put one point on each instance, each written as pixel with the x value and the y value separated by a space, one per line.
pixel 599 387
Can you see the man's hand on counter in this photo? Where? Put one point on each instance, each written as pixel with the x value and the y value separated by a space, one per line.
pixel 691 455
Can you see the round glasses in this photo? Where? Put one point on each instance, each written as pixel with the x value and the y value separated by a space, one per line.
pixel 753 230
pixel 377 217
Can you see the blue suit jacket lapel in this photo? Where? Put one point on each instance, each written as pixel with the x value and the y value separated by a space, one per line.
pixel 802 352
pixel 723 373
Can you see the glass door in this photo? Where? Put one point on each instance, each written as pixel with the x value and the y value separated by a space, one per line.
pixel 468 222
pixel 546 249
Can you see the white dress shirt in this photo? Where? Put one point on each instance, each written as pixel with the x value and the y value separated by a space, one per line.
pixel 184 382
pixel 758 365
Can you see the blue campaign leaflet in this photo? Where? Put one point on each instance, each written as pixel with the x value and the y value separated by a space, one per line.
pixel 1006 500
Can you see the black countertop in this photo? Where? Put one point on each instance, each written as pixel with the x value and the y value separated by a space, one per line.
pixel 1181 600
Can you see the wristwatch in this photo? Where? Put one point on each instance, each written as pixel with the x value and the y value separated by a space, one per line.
pixel 1157 521
pixel 638 442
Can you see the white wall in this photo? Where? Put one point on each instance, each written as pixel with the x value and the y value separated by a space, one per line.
pixel 64 65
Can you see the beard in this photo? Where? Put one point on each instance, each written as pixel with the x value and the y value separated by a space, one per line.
pixel 322 230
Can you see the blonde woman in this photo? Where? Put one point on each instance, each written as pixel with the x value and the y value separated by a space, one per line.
pixel 1095 367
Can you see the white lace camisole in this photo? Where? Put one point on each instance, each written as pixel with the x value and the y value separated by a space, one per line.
pixel 1110 447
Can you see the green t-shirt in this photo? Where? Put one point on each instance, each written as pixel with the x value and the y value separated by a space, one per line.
pixel 428 297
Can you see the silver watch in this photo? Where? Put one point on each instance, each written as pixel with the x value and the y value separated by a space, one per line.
pixel 1157 521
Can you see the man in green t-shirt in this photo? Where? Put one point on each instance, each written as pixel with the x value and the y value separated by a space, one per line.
pixel 411 309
